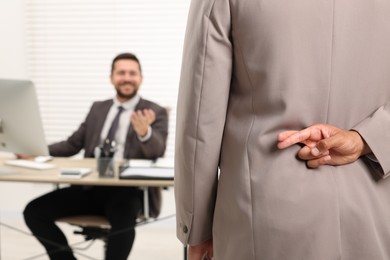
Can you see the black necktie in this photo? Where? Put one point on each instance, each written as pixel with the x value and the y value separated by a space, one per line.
pixel 109 141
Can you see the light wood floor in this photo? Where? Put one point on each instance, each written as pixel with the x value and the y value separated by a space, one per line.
pixel 153 241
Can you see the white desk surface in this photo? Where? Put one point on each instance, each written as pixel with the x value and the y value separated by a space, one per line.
pixel 52 175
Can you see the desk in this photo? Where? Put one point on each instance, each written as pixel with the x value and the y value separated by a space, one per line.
pixel 52 175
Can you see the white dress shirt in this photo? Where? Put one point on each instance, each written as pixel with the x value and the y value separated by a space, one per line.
pixel 124 123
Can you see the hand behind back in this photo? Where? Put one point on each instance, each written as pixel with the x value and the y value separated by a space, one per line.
pixel 325 144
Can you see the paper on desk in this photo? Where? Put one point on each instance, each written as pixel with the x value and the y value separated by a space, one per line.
pixel 142 163
pixel 147 169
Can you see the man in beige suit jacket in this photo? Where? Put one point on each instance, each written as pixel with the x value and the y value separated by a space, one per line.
pixel 259 77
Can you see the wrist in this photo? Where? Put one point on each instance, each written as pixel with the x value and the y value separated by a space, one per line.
pixel 146 136
pixel 364 149
pixel 142 133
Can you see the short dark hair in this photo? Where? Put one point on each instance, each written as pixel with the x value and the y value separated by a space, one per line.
pixel 125 56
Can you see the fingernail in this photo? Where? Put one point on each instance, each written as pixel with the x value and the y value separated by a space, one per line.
pixel 327 158
pixel 315 151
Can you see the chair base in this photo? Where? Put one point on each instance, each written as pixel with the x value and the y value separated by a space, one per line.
pixel 92 233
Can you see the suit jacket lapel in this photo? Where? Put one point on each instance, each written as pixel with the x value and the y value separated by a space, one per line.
pixel 103 110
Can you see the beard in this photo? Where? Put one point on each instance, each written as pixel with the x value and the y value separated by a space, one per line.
pixel 123 95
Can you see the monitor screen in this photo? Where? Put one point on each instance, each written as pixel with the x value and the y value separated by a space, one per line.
pixel 21 130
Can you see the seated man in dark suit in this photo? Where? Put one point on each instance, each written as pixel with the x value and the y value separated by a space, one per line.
pixel 141 134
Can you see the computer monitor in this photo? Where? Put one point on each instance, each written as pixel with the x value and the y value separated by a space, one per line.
pixel 21 130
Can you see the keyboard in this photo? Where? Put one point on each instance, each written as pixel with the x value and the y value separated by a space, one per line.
pixel 30 164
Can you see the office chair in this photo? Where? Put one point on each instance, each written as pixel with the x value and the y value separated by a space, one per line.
pixel 98 227
pixel 94 227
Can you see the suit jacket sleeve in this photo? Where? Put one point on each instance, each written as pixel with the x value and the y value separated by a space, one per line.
pixel 74 143
pixel 201 112
pixel 375 130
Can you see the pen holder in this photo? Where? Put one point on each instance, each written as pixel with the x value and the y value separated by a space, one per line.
pixel 105 167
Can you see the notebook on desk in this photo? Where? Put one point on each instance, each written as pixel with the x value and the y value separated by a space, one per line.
pixel 161 169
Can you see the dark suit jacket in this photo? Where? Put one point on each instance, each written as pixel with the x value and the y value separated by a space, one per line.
pixel 87 137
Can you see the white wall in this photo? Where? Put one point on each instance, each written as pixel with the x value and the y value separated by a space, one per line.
pixel 13 65
pixel 12 43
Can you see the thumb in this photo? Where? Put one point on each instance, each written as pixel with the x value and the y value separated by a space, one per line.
pixel 326 144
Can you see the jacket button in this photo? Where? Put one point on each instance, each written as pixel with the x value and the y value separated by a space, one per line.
pixel 185 229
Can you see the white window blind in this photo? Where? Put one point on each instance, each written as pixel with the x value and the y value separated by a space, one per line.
pixel 71 43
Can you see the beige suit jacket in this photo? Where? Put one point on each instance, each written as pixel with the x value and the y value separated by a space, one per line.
pixel 254 68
